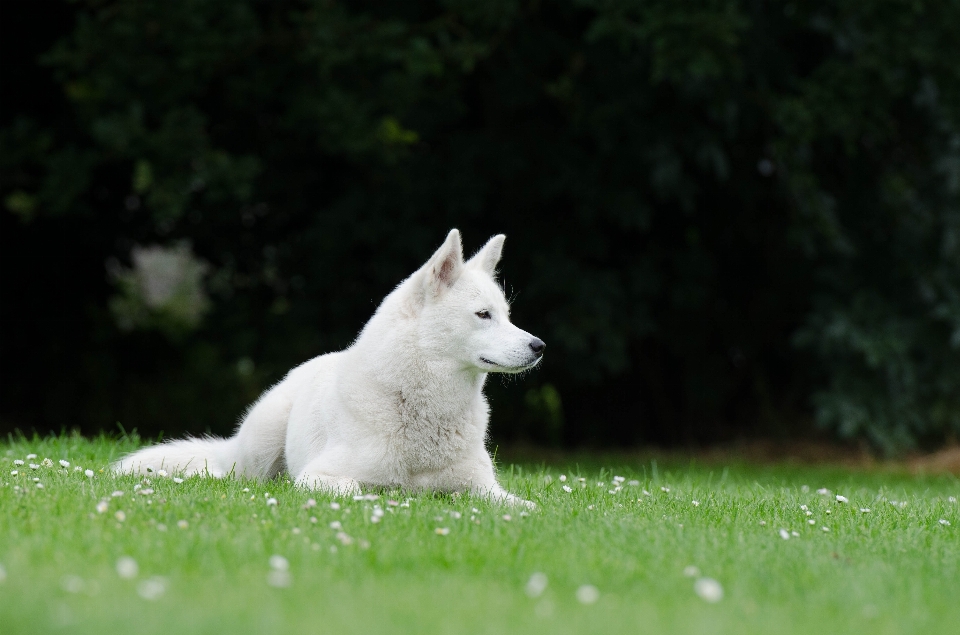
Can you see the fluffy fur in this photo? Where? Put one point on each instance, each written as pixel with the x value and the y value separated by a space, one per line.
pixel 403 406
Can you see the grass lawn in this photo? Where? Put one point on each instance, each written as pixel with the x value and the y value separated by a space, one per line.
pixel 98 554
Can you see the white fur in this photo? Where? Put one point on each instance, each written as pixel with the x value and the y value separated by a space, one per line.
pixel 403 406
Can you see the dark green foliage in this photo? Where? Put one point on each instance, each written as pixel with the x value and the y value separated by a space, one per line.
pixel 720 214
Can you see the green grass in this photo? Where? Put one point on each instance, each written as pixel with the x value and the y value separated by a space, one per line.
pixel 895 569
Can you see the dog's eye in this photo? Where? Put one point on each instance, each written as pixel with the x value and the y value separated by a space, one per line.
pixel 483 315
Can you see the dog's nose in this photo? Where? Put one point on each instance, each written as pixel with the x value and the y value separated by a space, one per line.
pixel 537 345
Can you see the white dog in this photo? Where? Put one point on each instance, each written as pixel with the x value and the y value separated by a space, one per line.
pixel 403 406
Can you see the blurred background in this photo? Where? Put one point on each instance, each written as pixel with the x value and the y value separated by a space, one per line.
pixel 728 220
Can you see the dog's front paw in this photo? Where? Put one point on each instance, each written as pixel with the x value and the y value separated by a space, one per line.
pixel 516 501
pixel 339 486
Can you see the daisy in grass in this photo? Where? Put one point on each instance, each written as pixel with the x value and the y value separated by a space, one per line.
pixel 708 589
pixel 127 568
pixel 152 588
pixel 536 585
pixel 588 594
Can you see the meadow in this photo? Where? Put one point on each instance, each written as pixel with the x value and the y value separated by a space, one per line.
pixel 614 546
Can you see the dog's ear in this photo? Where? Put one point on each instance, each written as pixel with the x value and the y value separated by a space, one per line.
pixel 444 266
pixel 487 258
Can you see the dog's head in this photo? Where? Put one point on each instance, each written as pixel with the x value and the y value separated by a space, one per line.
pixel 463 312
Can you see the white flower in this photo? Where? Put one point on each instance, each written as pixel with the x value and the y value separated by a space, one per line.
pixel 633 483
pixel 101 507
pixel 944 522
pixel 695 503
pixel 127 568
pixel 177 480
pixel 246 490
pixel 708 589
pixel 665 489
pixel 795 534
pixel 78 468
pixel 120 516
pixel 152 588
pixel 31 456
pixel 691 571
pixel 823 491
pixel 310 503
pixel 811 522
pixel 952 499
pixel 507 517
pixel 563 479
pixel 566 488
pixel 842 499
pixel 18 462
pixel 46 463
pixel 64 463
pixel 442 531
pixel 536 585
pixel 785 534
pixel 588 594
pixel 182 524
pixel 618 479
pixel 804 507
pixel 313 519
pixel 271 502
pixel 71 583
pixel 162 473
pixel 34 466
pixel 88 473
pixel 864 510
pixel 336 525
pixel 825 528
pixel 279 579
pixel 39 485
pixel 279 563
pixel 116 494
pixel 334 505
pixel 145 492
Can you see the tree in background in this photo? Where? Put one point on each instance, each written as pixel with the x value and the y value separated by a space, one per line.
pixel 720 215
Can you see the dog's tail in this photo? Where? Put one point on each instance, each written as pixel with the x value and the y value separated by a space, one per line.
pixel 210 456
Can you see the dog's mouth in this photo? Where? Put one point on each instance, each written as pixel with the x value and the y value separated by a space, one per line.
pixel 510 369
